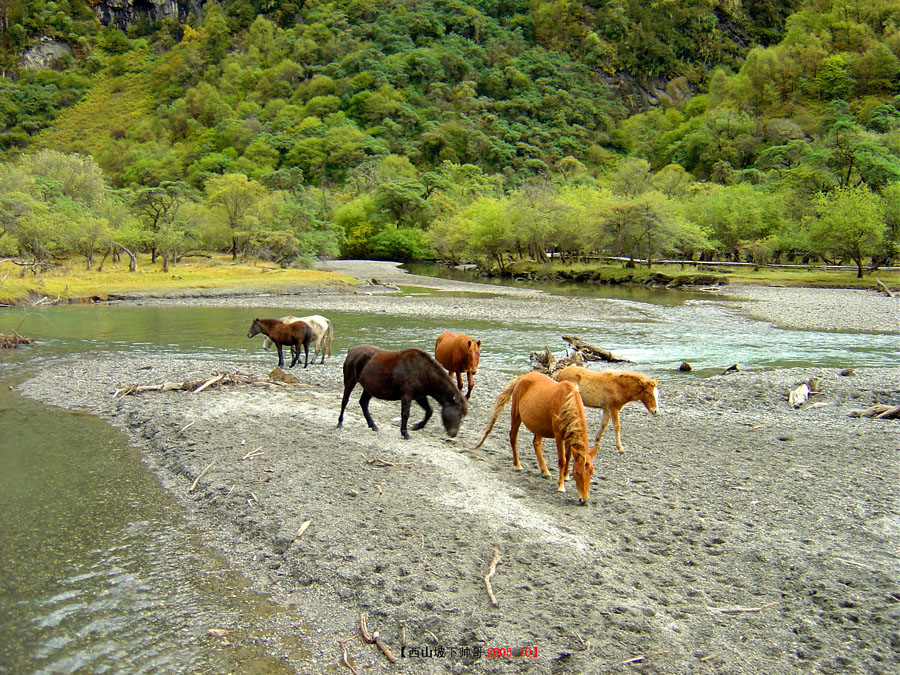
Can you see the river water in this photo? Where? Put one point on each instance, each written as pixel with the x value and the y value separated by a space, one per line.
pixel 99 571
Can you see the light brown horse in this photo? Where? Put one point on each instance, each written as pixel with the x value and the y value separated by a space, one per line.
pixel 459 354
pixel 292 334
pixel 549 410
pixel 323 334
pixel 610 390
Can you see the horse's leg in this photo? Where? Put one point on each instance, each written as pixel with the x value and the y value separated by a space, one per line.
pixel 306 353
pixel 405 404
pixel 320 344
pixel 515 422
pixel 295 355
pixel 618 427
pixel 280 355
pixel 563 458
pixel 459 380
pixel 424 403
pixel 347 391
pixel 603 424
pixel 538 443
pixel 364 404
pixel 471 384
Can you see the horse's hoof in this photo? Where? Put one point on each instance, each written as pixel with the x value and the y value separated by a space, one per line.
pixel 561 488
pixel 546 475
pixel 582 502
pixel 517 467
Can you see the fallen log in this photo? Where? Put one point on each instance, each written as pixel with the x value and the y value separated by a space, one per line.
pixel 592 353
pixel 883 288
pixel 879 412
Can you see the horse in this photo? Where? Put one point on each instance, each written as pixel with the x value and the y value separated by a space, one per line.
pixel 459 354
pixel 554 410
pixel 408 375
pixel 323 333
pixel 610 390
pixel 292 334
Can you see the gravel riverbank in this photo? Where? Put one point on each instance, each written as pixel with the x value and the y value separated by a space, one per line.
pixel 735 535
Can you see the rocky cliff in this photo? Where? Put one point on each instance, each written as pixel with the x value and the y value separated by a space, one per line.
pixel 124 13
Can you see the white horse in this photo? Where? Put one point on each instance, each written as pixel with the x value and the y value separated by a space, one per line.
pixel 323 334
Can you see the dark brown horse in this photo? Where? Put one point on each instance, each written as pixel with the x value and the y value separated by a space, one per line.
pixel 407 375
pixel 292 334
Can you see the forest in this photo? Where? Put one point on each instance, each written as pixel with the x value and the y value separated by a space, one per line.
pixel 488 131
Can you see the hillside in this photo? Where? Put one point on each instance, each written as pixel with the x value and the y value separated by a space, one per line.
pixel 392 119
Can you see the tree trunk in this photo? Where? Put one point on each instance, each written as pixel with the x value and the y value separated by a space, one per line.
pixel 103 260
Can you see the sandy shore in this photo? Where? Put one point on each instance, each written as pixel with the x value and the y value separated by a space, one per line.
pixel 735 535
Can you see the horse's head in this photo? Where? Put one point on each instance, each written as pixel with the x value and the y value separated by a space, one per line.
pixel 254 329
pixel 583 469
pixel 650 395
pixel 474 354
pixel 452 414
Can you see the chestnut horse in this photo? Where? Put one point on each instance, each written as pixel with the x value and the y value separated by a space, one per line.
pixel 549 410
pixel 291 334
pixel 323 334
pixel 459 354
pixel 408 375
pixel 610 390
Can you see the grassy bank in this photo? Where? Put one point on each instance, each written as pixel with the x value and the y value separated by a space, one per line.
pixel 738 274
pixel 71 282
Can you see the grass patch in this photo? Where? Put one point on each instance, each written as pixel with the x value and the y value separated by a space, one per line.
pixel 70 281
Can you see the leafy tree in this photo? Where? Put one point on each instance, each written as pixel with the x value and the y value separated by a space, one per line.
pixel 237 197
pixel 847 223
pixel 157 208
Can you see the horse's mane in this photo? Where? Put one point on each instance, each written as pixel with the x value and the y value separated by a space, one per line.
pixel 572 414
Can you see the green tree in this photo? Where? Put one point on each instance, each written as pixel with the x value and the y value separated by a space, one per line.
pixel 847 223
pixel 237 197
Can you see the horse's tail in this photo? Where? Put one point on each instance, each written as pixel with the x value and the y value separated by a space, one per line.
pixel 329 335
pixel 498 407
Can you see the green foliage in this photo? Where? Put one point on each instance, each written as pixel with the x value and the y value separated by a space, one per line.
pixel 847 223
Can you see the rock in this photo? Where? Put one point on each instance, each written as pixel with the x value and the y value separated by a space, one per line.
pixel 846 372
pixel 685 367
pixel 45 54
pixel 278 375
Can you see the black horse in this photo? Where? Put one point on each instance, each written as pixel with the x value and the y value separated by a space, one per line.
pixel 408 375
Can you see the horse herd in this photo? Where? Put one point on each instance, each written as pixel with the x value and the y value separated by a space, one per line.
pixel 549 407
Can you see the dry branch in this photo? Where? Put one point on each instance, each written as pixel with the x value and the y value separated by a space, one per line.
pixel 889 414
pixel 742 610
pixel 196 386
pixel 201 474
pixel 384 648
pixel 377 461
pixel 487 578
pixel 300 530
pixel 364 629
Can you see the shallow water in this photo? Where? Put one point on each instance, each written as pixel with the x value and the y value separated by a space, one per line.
pixel 98 569
pixel 99 572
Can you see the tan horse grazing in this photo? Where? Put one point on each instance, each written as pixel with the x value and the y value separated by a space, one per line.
pixel 549 410
pixel 459 354
pixel 323 334
pixel 610 390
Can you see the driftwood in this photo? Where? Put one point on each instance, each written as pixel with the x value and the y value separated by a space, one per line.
pixel 883 288
pixel 220 379
pixel 13 341
pixel 879 412
pixel 487 578
pixel 592 353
